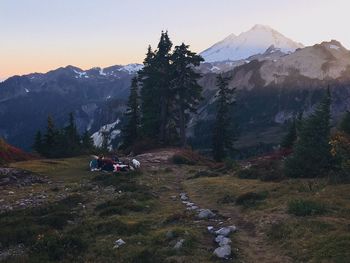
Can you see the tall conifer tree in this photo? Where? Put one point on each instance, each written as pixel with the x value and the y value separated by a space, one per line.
pixel 223 135
pixel 38 142
pixel 291 136
pixel 312 151
pixel 149 97
pixel 187 92
pixel 162 61
pixel 345 123
pixel 131 129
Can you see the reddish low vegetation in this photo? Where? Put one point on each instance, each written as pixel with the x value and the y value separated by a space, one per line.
pixel 10 153
pixel 189 157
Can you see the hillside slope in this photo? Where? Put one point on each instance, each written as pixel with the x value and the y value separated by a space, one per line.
pixel 155 211
pixel 9 153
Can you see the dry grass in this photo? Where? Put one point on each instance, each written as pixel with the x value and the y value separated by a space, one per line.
pixel 267 232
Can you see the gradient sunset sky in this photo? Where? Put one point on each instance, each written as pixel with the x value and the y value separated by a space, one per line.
pixel 40 35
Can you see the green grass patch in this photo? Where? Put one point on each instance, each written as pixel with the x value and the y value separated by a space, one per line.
pixel 23 226
pixel 56 247
pixel 125 204
pixel 333 249
pixel 300 207
pixel 251 199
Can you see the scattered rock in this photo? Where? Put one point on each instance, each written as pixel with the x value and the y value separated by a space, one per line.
pixel 12 252
pixel 210 229
pixel 109 189
pixel 118 243
pixel 183 197
pixel 223 252
pixel 18 177
pixel 222 240
pixel 225 231
pixel 194 207
pixel 206 214
pixel 179 244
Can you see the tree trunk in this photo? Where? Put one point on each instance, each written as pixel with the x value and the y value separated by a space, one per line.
pixel 163 117
pixel 182 123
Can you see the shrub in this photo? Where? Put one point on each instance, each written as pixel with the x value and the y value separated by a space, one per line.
pixel 190 158
pixel 124 205
pixel 56 220
pixel 56 247
pixel 23 226
pixel 230 164
pixel 265 170
pixel 204 174
pixel 251 198
pixel 182 159
pixel 248 173
pixel 226 199
pixel 301 207
pixel 125 182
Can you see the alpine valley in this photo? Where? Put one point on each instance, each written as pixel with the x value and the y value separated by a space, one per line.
pixel 275 77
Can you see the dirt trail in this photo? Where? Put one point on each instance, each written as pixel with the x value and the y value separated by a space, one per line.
pixel 249 243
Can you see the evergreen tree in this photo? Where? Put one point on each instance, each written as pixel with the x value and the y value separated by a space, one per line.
pixel 345 123
pixel 87 142
pixel 222 132
pixel 156 96
pixel 105 139
pixel 131 129
pixel 291 136
pixel 70 140
pixel 38 143
pixel 50 138
pixel 162 60
pixel 187 92
pixel 312 155
pixel 149 97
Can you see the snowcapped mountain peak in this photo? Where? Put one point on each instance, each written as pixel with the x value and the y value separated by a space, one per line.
pixel 252 42
pixel 261 27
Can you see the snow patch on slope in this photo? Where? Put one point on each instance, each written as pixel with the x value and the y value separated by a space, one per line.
pixel 131 68
pixel 110 130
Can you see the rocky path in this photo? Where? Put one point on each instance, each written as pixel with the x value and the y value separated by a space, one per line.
pixel 231 236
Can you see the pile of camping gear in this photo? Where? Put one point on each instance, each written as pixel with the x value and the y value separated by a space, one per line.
pixel 112 164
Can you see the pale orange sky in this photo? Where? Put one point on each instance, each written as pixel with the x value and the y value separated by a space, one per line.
pixel 38 35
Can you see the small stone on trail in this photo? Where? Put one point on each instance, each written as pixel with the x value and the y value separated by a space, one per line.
pixel 225 231
pixel 210 229
pixel 206 214
pixel 223 252
pixel 179 244
pixel 118 243
pixel 193 207
pixel 222 241
pixel 183 197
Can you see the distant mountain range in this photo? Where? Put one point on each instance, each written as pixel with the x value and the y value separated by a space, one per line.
pixel 275 77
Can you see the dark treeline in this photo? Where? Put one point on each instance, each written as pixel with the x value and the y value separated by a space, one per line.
pixel 164 95
pixel 63 142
